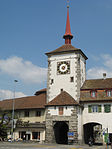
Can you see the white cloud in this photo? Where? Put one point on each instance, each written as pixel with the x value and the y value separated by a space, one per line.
pixel 106 67
pixel 24 70
pixel 107 61
pixel 7 94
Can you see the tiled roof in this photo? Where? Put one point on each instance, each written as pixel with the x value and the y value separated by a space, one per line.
pixel 97 84
pixel 66 48
pixel 62 99
pixel 100 86
pixel 101 96
pixel 40 91
pixel 29 102
pixel 87 100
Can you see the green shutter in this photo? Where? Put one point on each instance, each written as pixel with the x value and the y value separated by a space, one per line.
pixel 89 109
pixel 99 108
pixel 107 108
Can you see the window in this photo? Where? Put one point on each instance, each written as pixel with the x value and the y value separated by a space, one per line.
pixel 93 94
pixel 38 113
pixel 107 108
pixel 60 110
pixel 36 135
pixel 109 93
pixel 94 109
pixel 61 89
pixel 26 114
pixel 52 81
pixel 71 79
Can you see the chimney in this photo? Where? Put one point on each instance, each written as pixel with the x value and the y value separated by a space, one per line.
pixel 104 75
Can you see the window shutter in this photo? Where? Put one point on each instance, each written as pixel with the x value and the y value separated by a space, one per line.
pixel 89 109
pixel 99 108
pixel 107 108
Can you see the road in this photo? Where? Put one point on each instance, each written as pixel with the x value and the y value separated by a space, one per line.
pixel 9 145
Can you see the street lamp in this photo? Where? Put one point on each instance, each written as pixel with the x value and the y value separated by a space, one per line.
pixel 13 104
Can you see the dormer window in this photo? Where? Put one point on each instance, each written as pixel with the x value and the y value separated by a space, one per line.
pixel 93 93
pixel 109 93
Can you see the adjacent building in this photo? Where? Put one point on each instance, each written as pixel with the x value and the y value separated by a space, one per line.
pixel 29 116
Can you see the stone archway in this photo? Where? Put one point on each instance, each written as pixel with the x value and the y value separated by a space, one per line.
pixel 60 132
pixel 92 130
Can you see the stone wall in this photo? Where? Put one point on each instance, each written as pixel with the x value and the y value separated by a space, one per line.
pixel 51 120
pixel 78 76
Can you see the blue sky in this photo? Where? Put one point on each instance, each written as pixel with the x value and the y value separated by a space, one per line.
pixel 30 28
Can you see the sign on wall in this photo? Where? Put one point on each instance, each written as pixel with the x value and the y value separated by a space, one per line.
pixel 70 135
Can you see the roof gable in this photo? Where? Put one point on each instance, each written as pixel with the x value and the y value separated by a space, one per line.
pixel 62 99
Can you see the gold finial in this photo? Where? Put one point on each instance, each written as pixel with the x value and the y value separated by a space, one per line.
pixel 67 3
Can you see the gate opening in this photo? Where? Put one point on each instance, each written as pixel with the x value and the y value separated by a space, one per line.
pixel 60 132
pixel 94 131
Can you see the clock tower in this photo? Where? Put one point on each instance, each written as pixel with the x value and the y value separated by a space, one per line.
pixel 66 75
pixel 66 68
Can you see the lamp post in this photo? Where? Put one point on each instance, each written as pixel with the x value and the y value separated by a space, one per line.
pixel 13 105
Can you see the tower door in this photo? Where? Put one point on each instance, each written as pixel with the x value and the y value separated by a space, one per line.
pixel 60 132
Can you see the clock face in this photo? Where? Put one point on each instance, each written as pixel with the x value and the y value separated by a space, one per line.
pixel 63 67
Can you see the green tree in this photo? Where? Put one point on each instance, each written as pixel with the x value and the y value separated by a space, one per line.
pixel 5 117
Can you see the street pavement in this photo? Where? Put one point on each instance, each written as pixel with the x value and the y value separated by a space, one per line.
pixel 24 145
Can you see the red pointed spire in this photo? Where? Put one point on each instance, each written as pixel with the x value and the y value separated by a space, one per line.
pixel 68 36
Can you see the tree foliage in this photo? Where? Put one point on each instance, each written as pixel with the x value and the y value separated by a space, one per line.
pixel 5 118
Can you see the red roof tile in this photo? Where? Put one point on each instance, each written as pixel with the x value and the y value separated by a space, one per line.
pixel 97 84
pixel 62 99
pixel 41 91
pixel 29 102
pixel 67 48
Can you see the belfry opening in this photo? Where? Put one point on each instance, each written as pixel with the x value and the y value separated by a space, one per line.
pixel 60 132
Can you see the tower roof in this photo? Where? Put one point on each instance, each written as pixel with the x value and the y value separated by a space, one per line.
pixel 68 36
pixel 66 48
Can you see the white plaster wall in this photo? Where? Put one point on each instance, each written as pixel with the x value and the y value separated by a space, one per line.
pixel 32 118
pixel 79 123
pixel 66 112
pixel 103 118
pixel 42 135
pixel 63 81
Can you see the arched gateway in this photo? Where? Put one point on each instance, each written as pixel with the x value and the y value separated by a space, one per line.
pixel 93 130
pixel 60 132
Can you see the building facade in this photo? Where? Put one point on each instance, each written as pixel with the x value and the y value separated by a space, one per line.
pixel 29 117
pixel 96 98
